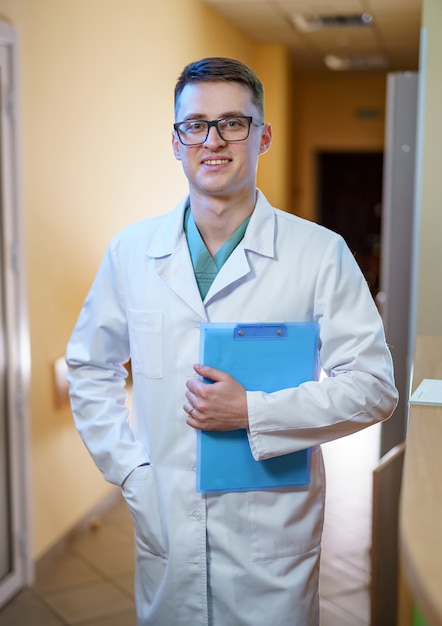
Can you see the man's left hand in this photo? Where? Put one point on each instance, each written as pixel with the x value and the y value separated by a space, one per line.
pixel 221 405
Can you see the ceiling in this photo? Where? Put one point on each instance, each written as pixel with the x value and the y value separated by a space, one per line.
pixel 390 42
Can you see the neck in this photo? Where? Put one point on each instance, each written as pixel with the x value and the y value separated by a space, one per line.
pixel 218 218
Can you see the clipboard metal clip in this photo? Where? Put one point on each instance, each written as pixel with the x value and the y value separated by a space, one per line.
pixel 259 331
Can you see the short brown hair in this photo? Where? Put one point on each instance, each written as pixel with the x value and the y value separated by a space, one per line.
pixel 223 69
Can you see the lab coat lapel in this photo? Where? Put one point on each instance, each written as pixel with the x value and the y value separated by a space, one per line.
pixel 236 267
pixel 171 255
pixel 177 272
pixel 173 264
pixel 258 239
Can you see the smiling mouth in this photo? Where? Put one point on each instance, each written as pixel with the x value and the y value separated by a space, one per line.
pixel 215 161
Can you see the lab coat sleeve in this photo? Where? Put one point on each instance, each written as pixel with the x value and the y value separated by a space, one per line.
pixel 96 353
pixel 358 388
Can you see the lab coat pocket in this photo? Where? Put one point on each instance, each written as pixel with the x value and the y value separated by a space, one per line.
pixel 284 523
pixel 146 342
pixel 139 491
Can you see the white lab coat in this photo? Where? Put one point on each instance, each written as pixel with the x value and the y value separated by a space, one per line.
pixel 237 559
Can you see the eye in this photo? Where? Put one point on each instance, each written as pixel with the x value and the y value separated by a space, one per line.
pixel 234 123
pixel 193 126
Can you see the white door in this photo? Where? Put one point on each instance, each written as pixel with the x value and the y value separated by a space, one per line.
pixel 15 551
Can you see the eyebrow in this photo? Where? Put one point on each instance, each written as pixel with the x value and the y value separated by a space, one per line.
pixel 201 116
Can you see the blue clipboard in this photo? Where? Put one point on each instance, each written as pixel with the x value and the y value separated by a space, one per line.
pixel 262 357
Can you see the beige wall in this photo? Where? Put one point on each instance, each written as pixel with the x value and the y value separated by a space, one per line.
pixel 326 119
pixel 429 316
pixel 276 167
pixel 97 80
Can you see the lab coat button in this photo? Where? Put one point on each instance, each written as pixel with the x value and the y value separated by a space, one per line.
pixel 196 514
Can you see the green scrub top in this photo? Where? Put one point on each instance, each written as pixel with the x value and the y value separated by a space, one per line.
pixel 206 266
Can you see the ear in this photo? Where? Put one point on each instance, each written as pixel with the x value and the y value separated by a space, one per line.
pixel 176 146
pixel 266 139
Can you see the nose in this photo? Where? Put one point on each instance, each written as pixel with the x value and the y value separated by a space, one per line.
pixel 213 137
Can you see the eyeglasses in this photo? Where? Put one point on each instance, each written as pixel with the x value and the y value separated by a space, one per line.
pixel 231 128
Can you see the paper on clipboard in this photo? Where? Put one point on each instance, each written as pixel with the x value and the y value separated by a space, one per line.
pixel 266 357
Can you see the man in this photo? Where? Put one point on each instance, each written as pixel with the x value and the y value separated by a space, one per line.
pixel 223 255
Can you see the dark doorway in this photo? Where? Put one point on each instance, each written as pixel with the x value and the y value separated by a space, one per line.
pixel 350 203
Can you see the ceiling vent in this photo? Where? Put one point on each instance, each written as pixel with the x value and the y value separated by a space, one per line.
pixel 310 23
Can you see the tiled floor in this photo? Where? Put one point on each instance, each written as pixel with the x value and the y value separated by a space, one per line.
pixel 89 581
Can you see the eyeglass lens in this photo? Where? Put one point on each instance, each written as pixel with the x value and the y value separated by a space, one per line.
pixel 229 128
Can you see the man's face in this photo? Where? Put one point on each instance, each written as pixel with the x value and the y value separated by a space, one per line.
pixel 218 168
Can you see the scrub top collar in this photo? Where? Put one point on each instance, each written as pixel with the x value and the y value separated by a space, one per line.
pixel 206 266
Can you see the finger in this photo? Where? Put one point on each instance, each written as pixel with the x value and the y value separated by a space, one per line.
pixel 197 390
pixel 191 400
pixel 210 372
pixel 191 418
pixel 190 403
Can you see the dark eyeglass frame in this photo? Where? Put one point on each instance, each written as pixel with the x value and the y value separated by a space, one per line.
pixel 250 120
